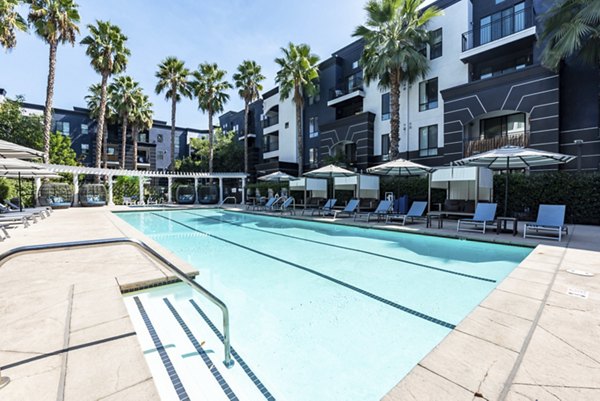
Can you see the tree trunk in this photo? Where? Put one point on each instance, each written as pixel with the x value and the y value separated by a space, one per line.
pixel 173 114
pixel 100 136
pixel 134 134
pixel 395 116
pixel 210 143
pixel 49 96
pixel 124 140
pixel 246 112
pixel 299 136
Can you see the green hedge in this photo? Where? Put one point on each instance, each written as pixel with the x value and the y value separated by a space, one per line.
pixel 415 187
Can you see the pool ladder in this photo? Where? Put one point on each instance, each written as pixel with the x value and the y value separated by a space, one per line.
pixel 226 199
pixel 61 246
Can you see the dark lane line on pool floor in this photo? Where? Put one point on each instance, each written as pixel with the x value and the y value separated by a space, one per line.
pixel 316 273
pixel 489 280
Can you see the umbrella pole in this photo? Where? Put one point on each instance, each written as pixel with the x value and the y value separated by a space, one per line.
pixel 506 189
pixel 20 194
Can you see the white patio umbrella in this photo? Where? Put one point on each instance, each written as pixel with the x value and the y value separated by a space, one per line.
pixel 9 150
pixel 277 176
pixel 330 171
pixel 514 158
pixel 400 167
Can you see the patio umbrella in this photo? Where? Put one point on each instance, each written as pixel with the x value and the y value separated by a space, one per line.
pixel 9 150
pixel 514 158
pixel 277 176
pixel 330 171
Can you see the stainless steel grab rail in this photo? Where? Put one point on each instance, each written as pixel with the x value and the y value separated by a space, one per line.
pixel 61 246
pixel 225 200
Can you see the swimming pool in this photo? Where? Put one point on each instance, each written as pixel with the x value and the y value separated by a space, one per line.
pixel 318 311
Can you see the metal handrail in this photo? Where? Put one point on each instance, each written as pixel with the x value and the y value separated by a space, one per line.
pixel 225 200
pixel 61 246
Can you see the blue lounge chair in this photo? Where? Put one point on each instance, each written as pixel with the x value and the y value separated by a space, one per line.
pixel 326 209
pixel 416 211
pixel 551 218
pixel 286 206
pixel 383 209
pixel 268 205
pixel 350 209
pixel 485 215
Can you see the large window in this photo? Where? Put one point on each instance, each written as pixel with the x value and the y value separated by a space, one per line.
pixel 64 127
pixel 428 94
pixel 84 129
pixel 313 125
pixel 385 147
pixel 385 106
pixel 313 157
pixel 502 126
pixel 85 149
pixel 502 23
pixel 428 137
pixel 436 44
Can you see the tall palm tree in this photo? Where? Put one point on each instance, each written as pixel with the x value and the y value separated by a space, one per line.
pixel 394 32
pixel 248 81
pixel 571 28
pixel 173 80
pixel 93 100
pixel 209 88
pixel 299 72
pixel 55 21
pixel 122 93
pixel 10 22
pixel 141 119
pixel 108 55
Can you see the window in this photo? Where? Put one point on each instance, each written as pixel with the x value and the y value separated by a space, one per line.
pixel 385 106
pixel 84 129
pixel 64 127
pixel 355 64
pixel 143 137
pixel 85 149
pixel 160 156
pixel 423 50
pixel 385 147
pixel 316 97
pixel 502 23
pixel 428 137
pixel 502 126
pixel 313 125
pixel 499 1
pixel 287 125
pixel 436 44
pixel 111 151
pixel 428 94
pixel 159 138
pixel 313 157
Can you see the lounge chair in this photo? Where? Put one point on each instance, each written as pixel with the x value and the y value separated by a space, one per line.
pixel 551 218
pixel 286 206
pixel 326 209
pixel 416 211
pixel 350 209
pixel 42 212
pixel 383 209
pixel 485 215
pixel 267 206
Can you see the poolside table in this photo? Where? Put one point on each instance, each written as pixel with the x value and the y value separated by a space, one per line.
pixel 501 223
pixel 440 217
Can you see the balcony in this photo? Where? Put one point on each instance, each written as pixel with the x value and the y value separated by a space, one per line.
pixel 476 146
pixel 350 88
pixel 518 26
pixel 270 121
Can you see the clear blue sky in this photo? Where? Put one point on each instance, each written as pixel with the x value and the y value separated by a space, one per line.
pixel 222 31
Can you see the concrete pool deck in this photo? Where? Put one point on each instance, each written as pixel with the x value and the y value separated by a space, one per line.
pixel 66 333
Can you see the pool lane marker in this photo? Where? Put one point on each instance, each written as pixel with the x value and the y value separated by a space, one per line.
pixel 350 249
pixel 179 389
pixel 326 277
pixel 205 358
pixel 259 385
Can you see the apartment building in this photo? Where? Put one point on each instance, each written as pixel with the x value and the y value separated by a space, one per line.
pixel 485 88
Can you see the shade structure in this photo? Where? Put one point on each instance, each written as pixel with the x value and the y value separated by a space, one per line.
pixel 277 176
pixel 330 171
pixel 514 158
pixel 400 167
pixel 9 150
pixel 13 168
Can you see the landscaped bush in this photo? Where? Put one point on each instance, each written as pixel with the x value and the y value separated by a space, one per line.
pixel 125 186
pixel 415 187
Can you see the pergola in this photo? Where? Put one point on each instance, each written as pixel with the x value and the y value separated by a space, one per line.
pixel 169 175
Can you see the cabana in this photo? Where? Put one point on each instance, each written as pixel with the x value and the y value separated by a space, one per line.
pixel 313 187
pixel 185 195
pixel 92 195
pixel 465 187
pixel 57 195
pixel 365 187
pixel 209 194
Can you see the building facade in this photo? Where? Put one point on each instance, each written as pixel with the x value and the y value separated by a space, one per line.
pixel 485 88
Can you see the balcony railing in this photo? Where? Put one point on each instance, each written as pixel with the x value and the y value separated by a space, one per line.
pixel 350 84
pixel 270 121
pixel 497 29
pixel 473 147
pixel 270 146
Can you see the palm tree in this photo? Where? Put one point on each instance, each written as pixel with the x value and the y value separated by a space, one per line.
pixel 10 21
pixel 247 80
pixel 394 32
pixel 122 92
pixel 299 73
pixel 142 119
pixel 209 88
pixel 173 80
pixel 571 28
pixel 108 54
pixel 93 100
pixel 55 21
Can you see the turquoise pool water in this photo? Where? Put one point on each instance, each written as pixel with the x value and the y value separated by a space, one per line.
pixel 321 311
